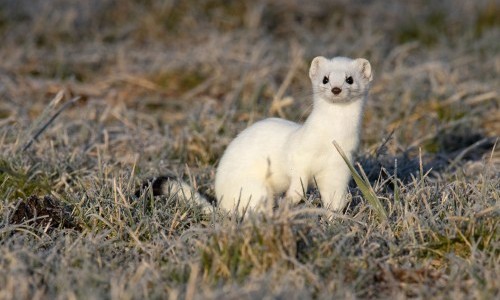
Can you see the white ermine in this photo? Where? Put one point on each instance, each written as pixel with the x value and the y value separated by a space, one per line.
pixel 274 155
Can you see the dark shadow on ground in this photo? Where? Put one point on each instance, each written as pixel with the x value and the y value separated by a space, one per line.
pixel 454 149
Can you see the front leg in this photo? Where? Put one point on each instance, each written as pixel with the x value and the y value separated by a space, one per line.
pixel 332 186
pixel 297 189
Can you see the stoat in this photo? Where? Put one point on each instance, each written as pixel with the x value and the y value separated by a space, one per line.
pixel 274 155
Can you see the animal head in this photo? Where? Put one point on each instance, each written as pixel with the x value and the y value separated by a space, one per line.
pixel 340 79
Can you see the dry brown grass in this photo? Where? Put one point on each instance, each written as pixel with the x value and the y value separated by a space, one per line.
pixel 166 85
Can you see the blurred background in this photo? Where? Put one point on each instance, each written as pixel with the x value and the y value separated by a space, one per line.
pixel 209 68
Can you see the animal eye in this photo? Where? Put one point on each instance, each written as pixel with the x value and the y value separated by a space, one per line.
pixel 325 80
pixel 349 80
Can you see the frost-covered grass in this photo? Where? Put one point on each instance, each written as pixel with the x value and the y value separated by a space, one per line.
pixel 165 85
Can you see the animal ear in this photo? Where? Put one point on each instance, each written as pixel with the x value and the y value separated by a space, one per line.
pixel 315 66
pixel 365 68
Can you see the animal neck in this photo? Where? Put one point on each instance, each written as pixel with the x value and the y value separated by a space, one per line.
pixel 345 115
pixel 331 121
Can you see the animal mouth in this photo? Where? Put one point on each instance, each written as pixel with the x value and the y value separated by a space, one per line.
pixel 338 99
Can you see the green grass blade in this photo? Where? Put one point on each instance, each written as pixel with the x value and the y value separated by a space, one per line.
pixel 364 186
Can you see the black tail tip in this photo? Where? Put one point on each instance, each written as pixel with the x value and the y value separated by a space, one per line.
pixel 156 184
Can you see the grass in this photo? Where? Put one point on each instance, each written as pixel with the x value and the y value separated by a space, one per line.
pixel 165 86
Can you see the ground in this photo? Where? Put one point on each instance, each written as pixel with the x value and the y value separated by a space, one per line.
pixel 97 96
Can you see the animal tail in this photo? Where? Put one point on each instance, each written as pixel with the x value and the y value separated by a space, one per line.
pixel 172 185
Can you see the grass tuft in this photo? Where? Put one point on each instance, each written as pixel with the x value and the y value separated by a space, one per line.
pixel 364 185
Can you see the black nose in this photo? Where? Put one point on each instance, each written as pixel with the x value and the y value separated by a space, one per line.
pixel 336 90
